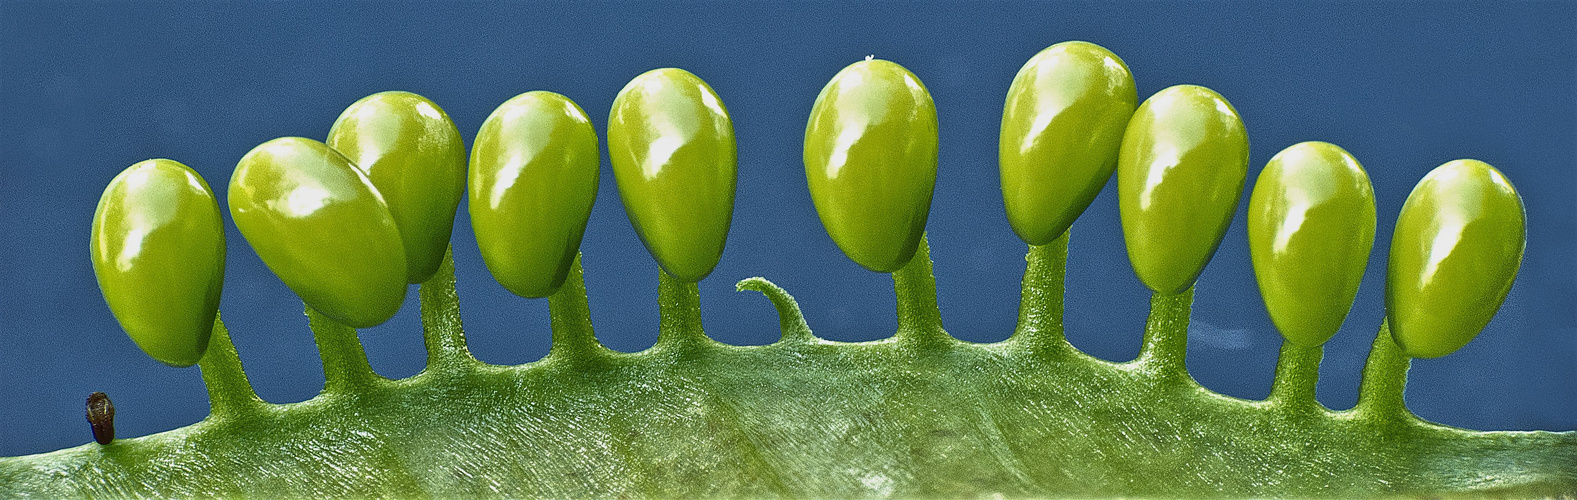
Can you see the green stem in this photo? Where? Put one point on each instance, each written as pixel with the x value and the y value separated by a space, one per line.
pixel 1384 380
pixel 919 319
pixel 679 307
pixel 229 391
pixel 791 322
pixel 345 368
pixel 1165 348
pixel 441 328
pixel 1297 373
pixel 1041 298
pixel 573 337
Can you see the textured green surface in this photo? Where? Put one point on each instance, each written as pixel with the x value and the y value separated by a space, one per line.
pixel 920 414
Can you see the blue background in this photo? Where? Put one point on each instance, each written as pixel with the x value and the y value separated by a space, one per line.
pixel 86 90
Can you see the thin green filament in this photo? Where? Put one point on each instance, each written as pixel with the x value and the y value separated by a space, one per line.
pixel 442 332
pixel 790 320
pixel 345 368
pixel 229 391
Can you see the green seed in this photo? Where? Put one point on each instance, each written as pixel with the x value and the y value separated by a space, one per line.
pixel 870 161
pixel 413 154
pixel 1062 126
pixel 1179 176
pixel 158 249
pixel 533 182
pixel 322 227
pixel 671 143
pixel 1310 229
pixel 1456 250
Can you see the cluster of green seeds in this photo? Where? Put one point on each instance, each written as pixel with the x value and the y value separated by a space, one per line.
pixel 349 222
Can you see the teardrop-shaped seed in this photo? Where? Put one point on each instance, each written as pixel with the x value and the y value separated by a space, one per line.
pixel 671 144
pixel 413 154
pixel 158 249
pixel 533 182
pixel 320 225
pixel 1456 250
pixel 1310 229
pixel 870 161
pixel 1179 177
pixel 1062 126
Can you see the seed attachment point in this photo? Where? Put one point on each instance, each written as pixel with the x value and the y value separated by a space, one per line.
pixel 101 416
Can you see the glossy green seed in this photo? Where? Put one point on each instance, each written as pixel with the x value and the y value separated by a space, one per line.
pixel 1062 126
pixel 1310 229
pixel 1456 250
pixel 413 154
pixel 1179 176
pixel 533 182
pixel 870 161
pixel 671 143
pixel 321 226
pixel 158 249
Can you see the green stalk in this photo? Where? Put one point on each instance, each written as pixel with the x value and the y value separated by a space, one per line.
pixel 919 319
pixel 679 304
pixel 230 394
pixel 345 368
pixel 442 331
pixel 1384 381
pixel 1297 373
pixel 573 337
pixel 1165 349
pixel 1041 299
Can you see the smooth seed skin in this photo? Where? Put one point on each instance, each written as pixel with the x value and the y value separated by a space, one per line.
pixel 1456 250
pixel 1062 126
pixel 1179 177
pixel 1311 223
pixel 320 225
pixel 870 162
pixel 412 152
pixel 158 251
pixel 533 180
pixel 671 144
